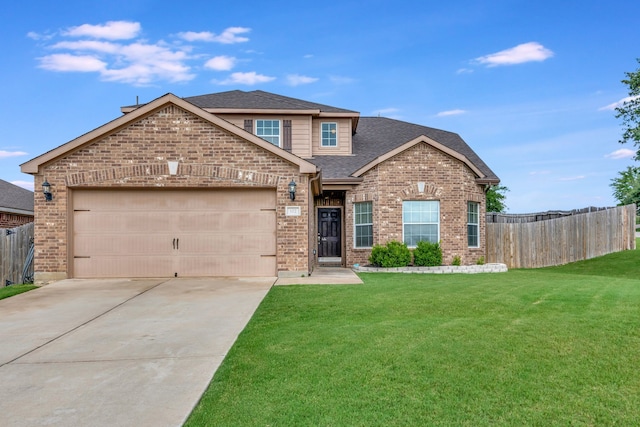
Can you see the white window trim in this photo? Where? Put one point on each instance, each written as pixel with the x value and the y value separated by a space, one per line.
pixel 355 245
pixel 431 223
pixel 255 126
pixel 477 224
pixel 321 139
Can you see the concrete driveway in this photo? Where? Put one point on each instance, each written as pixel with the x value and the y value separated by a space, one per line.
pixel 117 352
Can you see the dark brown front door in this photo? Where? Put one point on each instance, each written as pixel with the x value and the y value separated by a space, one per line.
pixel 329 232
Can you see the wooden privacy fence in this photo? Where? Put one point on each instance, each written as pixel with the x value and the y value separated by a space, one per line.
pixel 16 247
pixel 555 238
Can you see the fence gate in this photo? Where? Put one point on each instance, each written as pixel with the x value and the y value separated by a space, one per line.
pixel 16 255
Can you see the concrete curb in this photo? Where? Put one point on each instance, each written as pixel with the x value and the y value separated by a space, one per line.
pixel 444 269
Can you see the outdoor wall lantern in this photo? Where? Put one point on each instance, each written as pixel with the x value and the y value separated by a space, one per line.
pixel 292 189
pixel 46 190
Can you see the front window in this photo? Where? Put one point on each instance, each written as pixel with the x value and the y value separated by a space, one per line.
pixel 363 218
pixel 473 224
pixel 269 130
pixel 329 134
pixel 420 221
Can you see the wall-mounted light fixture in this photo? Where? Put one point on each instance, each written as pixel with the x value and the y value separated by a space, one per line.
pixel 46 190
pixel 292 189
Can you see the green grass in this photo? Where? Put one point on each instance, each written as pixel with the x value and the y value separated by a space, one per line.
pixel 553 346
pixel 12 290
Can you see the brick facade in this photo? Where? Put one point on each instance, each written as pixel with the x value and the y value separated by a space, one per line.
pixel 136 156
pixel 387 185
pixel 11 220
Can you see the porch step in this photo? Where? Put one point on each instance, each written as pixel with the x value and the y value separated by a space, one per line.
pixel 330 262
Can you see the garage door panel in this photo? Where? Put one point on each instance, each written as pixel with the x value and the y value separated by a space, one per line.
pixel 228 265
pixel 226 243
pixel 100 222
pixel 248 222
pixel 130 266
pixel 133 244
pixel 158 233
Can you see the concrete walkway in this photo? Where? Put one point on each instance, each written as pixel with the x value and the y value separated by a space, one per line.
pixel 324 276
pixel 117 352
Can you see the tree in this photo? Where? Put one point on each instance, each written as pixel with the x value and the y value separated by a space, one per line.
pixel 495 198
pixel 626 187
pixel 629 111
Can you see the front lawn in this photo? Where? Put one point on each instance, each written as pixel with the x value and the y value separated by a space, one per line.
pixel 9 291
pixel 554 346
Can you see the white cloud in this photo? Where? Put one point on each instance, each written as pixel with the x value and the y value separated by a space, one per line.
pixel 67 63
pixel 112 30
pixel 573 178
pixel 464 71
pixel 542 172
pixel 296 79
pixel 526 52
pixel 5 154
pixel 619 103
pixel 450 113
pixel 623 153
pixel 250 78
pixel 27 185
pixel 221 63
pixel 138 62
pixel 37 36
pixel 228 36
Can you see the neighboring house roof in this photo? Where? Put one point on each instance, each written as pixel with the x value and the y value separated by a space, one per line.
pixel 14 199
pixel 33 165
pixel 377 136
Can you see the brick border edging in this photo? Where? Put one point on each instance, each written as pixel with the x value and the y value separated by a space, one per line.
pixel 444 269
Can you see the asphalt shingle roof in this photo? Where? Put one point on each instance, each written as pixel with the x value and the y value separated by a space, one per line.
pixel 14 197
pixel 258 99
pixel 376 136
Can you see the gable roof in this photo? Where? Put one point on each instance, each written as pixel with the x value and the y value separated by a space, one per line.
pixel 14 199
pixel 33 165
pixel 378 138
pixel 258 101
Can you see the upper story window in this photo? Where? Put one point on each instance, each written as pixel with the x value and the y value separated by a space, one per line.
pixel 329 133
pixel 473 224
pixel 269 130
pixel 420 221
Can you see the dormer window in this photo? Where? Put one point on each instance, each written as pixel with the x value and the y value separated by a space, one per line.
pixel 269 130
pixel 329 134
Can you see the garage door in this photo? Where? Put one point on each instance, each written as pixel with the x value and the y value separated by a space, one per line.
pixel 168 233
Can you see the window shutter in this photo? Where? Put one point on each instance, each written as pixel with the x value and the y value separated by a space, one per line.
pixel 248 125
pixel 286 135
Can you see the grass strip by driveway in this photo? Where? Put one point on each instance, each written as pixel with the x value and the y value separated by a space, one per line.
pixel 555 346
pixel 9 291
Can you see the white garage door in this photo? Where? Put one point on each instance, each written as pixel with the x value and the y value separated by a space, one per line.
pixel 168 233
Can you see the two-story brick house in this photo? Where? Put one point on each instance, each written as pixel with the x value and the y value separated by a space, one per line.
pixel 201 186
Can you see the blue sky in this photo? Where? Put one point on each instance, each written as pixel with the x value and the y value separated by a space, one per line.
pixel 530 86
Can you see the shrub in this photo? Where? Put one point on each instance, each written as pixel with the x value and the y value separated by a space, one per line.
pixel 480 261
pixel 456 260
pixel 393 254
pixel 427 254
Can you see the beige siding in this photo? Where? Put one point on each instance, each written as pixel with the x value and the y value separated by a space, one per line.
pixel 300 130
pixel 344 138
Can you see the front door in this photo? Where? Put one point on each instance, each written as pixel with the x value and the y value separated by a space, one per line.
pixel 329 233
